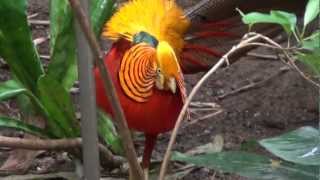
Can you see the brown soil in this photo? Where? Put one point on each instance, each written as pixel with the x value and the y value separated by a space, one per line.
pixel 283 103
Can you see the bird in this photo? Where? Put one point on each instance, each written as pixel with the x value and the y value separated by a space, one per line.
pixel 150 53
pixel 147 60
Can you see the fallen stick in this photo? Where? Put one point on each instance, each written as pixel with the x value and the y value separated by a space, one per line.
pixel 55 144
pixel 253 85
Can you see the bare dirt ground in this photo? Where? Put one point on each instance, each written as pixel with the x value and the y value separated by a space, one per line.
pixel 282 103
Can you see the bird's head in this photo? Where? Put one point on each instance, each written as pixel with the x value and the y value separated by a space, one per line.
pixel 168 69
pixel 168 73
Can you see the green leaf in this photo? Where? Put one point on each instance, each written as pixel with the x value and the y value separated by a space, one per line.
pixel 311 60
pixel 312 11
pixel 300 146
pixel 101 11
pixel 16 46
pixel 7 122
pixel 10 89
pixel 108 133
pixel 287 20
pixel 312 42
pixel 63 64
pixel 57 101
pixel 251 165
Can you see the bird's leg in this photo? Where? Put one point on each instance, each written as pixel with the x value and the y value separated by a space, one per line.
pixel 148 148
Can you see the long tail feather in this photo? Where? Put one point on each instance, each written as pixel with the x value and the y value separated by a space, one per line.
pixel 189 64
pixel 202 49
pixel 215 34
pixel 220 25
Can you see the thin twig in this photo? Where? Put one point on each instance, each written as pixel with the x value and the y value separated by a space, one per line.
pixel 42 56
pixel 194 121
pixel 54 144
pixel 110 91
pixel 39 22
pixel 248 40
pixel 221 62
pixel 302 73
pixel 253 85
pixel 263 56
pixel 32 16
pixel 40 40
pixel 275 45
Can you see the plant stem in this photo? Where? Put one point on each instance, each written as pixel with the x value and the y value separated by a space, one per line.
pixel 109 90
pixel 90 152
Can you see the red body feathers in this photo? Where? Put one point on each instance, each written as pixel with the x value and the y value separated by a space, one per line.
pixel 155 116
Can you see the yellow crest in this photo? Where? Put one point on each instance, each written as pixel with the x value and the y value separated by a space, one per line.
pixel 162 19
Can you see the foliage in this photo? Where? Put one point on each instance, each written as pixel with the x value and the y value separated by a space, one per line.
pixel 288 21
pixel 46 92
pixel 300 146
pixel 108 133
pixel 298 152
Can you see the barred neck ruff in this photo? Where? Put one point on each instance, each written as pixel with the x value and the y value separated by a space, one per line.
pixel 138 71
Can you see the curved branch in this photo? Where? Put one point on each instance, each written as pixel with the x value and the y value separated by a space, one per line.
pixel 221 62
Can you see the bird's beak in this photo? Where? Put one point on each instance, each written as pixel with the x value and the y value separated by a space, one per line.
pixel 172 85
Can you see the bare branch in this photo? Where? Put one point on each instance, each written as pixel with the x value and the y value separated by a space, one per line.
pixel 39 22
pixel 32 15
pixel 220 63
pixel 55 144
pixel 253 84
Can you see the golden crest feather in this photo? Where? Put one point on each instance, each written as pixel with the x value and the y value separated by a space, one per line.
pixel 163 19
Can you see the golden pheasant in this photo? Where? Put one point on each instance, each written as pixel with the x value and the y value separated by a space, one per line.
pixel 146 62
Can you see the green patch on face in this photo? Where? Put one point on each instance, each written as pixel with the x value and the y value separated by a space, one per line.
pixel 146 38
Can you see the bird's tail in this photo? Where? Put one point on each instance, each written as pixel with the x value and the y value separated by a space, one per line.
pixel 196 51
pixel 216 27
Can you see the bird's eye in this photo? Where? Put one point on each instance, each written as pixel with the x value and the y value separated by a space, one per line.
pixel 158 70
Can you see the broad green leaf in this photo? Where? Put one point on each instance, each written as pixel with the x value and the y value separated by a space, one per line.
pixel 311 60
pixel 108 133
pixel 287 20
pixel 57 101
pixel 6 122
pixel 16 46
pixel 10 89
pixel 312 42
pixel 301 146
pixel 251 165
pixel 101 11
pixel 63 64
pixel 30 106
pixel 312 11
